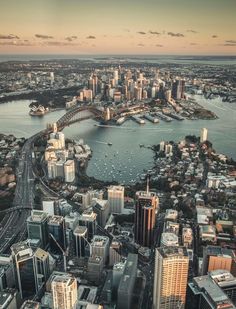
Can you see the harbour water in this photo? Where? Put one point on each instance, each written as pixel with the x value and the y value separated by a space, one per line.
pixel 124 161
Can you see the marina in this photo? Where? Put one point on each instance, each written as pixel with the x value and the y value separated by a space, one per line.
pixel 138 119
pixel 151 118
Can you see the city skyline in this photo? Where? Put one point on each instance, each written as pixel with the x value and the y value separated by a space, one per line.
pixel 106 27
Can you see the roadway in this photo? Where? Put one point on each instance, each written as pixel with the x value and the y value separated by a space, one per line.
pixel 13 226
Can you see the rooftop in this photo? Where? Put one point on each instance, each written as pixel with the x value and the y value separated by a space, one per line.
pixel 56 220
pixel 173 251
pixel 212 290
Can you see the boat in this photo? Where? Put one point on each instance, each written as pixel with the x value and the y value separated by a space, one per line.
pixel 109 144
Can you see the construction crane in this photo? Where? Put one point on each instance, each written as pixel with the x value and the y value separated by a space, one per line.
pixel 64 252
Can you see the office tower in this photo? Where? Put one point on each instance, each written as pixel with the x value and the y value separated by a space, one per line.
pixel 88 219
pixel 170 277
pixel 114 252
pixel 61 137
pixel 215 257
pixel 30 304
pixel 204 292
pixel 100 247
pixel 116 77
pixel 127 282
pixel 64 292
pixel 117 272
pixel 49 207
pixel 116 199
pixel 145 217
pixel 168 95
pixel 204 135
pixel 95 269
pixel 69 171
pixel 37 226
pixel 178 89
pixel 24 266
pixel 56 228
pixel 102 209
pixel 226 281
pixel 42 268
pixel 80 234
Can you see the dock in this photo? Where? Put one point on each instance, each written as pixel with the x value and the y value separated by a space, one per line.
pixel 151 118
pixel 138 119
pixel 163 117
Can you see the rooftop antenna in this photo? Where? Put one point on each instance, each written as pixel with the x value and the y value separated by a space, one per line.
pixel 148 184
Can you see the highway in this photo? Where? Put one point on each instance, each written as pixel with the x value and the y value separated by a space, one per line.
pixel 13 225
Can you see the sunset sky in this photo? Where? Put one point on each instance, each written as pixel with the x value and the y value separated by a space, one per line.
pixel 118 27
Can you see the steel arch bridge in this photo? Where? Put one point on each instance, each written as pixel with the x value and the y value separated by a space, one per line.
pixel 79 113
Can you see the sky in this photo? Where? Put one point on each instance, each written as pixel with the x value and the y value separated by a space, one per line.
pixel 179 27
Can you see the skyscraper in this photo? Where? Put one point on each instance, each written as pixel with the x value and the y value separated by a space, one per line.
pixel 64 292
pixel 37 227
pixel 127 282
pixel 178 88
pixel 56 227
pixel 23 261
pixel 31 268
pixel 204 135
pixel 88 219
pixel 69 170
pixel 116 199
pixel 145 217
pixel 80 235
pixel 170 277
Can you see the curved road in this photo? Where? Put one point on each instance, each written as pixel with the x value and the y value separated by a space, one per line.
pixel 13 225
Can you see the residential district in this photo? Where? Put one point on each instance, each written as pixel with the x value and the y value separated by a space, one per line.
pixel 169 245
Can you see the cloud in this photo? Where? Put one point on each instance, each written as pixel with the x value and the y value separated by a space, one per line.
pixel 16 43
pixel 193 44
pixel 141 45
pixel 154 32
pixel 192 31
pixel 141 32
pixel 43 36
pixel 230 41
pixel 179 35
pixel 126 30
pixel 71 38
pixel 230 44
pixel 57 43
pixel 159 45
pixel 214 36
pixel 91 37
pixel 8 37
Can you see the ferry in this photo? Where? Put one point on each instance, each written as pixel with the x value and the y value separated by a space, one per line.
pixel 120 120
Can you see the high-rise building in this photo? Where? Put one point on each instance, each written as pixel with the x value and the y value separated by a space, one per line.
pixel 178 89
pixel 69 171
pixel 127 283
pixel 204 292
pixel 145 217
pixel 56 228
pixel 88 219
pixel 226 281
pixel 37 226
pixel 204 135
pixel 100 247
pixel 170 277
pixel 64 292
pixel 215 257
pixel 114 252
pixel 24 266
pixel 116 199
pixel 42 268
pixel 102 209
pixel 80 235
pixel 95 268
